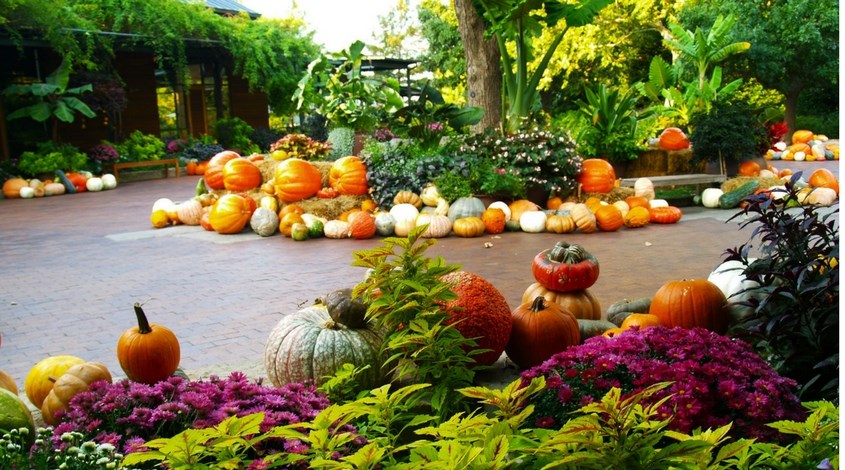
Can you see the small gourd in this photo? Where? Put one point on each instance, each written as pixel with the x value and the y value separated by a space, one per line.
pixel 430 194
pixel 439 226
pixel 336 229
pixel 362 225
pixel 94 184
pixel 385 223
pixel 584 218
pixel 710 197
pixel 636 217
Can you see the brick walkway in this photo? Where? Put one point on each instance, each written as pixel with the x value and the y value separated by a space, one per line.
pixel 75 264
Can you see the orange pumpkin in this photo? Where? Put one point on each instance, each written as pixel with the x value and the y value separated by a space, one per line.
pixel 593 203
pixel 348 175
pixel 580 303
pixel 640 320
pixel 560 224
pixel 540 330
pixel 749 168
pixel 344 216
pixel 296 179
pixel 691 303
pixel 664 215
pixel 287 221
pixel 597 176
pixel 494 220
pixel 191 167
pixel 214 170
pixel 637 201
pixel 12 187
pixel 148 353
pixel 230 214
pixel 608 218
pixel 240 174
pixel 521 205
pixel 75 380
pixel 369 205
pixel 291 208
pixel 802 136
pixel 672 138
pixel 554 203
pixel 824 178
pixel 201 167
pixel 636 217
pixel 362 225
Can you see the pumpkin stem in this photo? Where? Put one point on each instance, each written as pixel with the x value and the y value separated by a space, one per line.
pixel 143 323
pixel 565 253
pixel 539 304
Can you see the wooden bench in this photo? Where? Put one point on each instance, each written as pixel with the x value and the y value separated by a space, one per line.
pixel 679 180
pixel 174 162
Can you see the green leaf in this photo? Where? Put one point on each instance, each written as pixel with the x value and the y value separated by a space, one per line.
pixel 62 112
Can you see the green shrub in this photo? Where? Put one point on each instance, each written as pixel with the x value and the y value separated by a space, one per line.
pixel 139 147
pixel 730 131
pixel 49 157
pixel 827 124
pixel 235 134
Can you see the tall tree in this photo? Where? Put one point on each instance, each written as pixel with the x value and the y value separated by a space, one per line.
pixel 794 43
pixel 444 56
pixel 484 74
pixel 397 36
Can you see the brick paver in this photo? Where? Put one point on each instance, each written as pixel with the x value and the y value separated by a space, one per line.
pixel 75 264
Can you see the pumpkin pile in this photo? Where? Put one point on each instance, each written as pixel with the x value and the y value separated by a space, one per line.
pixel 805 146
pixel 64 183
pixel 821 188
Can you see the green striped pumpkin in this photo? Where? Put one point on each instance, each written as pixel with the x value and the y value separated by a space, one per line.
pixel 309 346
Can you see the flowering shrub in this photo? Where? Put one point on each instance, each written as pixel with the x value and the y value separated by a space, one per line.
pixel 301 146
pixel 715 380
pixel 384 135
pixel 541 158
pixel 126 413
pixel 73 454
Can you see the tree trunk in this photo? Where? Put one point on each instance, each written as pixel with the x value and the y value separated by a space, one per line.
pixel 484 74
pixel 791 104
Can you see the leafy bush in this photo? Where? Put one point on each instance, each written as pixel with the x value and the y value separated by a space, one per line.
pixel 264 137
pixel 729 131
pixel 612 122
pixel 49 157
pixel 235 134
pixel 795 324
pixel 140 147
pixel 301 146
pixel 715 380
pixel 125 414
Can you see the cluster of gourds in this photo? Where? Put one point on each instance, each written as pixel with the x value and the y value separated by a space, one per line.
pixel 65 183
pixel 806 146
pixel 148 353
pixel 821 188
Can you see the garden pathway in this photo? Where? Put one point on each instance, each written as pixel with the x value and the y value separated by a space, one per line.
pixel 75 265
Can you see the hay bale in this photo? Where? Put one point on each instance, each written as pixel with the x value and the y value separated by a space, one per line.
pixel 733 183
pixel 618 193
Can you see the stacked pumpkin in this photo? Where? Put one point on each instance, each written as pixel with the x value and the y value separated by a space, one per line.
pixel 557 310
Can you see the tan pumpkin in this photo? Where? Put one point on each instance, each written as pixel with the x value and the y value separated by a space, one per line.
pixel 189 212
pixel 362 225
pixel 470 227
pixel 494 220
pixel 75 380
pixel 521 205
pixel 7 382
pixel 439 226
pixel 584 218
pixel 580 302
pixel 336 229
pixel 643 187
pixel 407 197
pixel 636 217
pixel 560 224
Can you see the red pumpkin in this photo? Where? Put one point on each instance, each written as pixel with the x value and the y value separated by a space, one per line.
pixel 240 174
pixel 664 215
pixel 296 179
pixel 214 169
pixel 565 268
pixel 691 303
pixel 230 213
pixel 148 353
pixel 540 330
pixel 597 176
pixel 672 138
pixel 479 312
pixel 749 168
pixel 348 175
pixel 824 178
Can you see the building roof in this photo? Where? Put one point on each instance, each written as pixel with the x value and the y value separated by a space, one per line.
pixel 230 7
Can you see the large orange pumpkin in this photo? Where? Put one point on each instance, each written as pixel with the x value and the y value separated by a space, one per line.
pixel 608 218
pixel 691 303
pixel 230 213
pixel 519 206
pixel 240 174
pixel 296 179
pixel 348 175
pixel 214 169
pixel 148 353
pixel 749 168
pixel 540 330
pixel 672 138
pixel 824 178
pixel 597 176
pixel 12 187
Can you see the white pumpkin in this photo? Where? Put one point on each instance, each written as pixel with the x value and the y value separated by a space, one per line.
pixel 109 181
pixel 26 192
pixel 816 196
pixel 385 224
pixel 818 150
pixel 94 184
pixel 404 211
pixel 35 182
pixel 403 227
pixel 799 156
pixel 336 229
pixel 767 174
pixel 503 206
pixel 264 221
pixel 728 277
pixel 658 203
pixel 644 187
pixel 780 146
pixel 533 221
pixel 566 207
pixel 164 204
pixel 710 197
pixel 622 206
pixel 439 226
pixel 190 212
pixel 310 218
pixel 430 195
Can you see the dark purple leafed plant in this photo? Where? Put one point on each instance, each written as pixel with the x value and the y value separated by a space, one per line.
pixel 125 414
pixel 103 153
pixel 716 380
